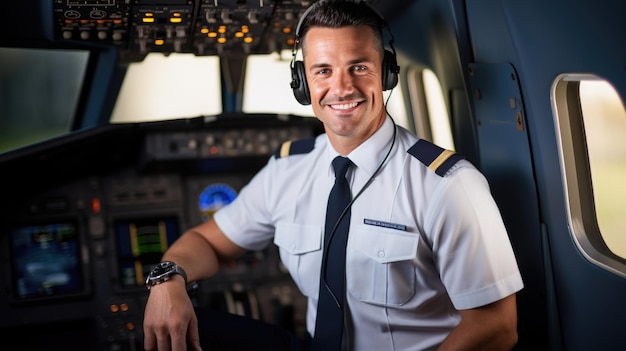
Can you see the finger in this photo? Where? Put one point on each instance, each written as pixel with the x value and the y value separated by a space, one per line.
pixel 194 335
pixel 163 344
pixel 178 341
pixel 149 339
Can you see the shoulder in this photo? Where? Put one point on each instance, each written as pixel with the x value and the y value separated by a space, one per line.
pixel 297 147
pixel 436 158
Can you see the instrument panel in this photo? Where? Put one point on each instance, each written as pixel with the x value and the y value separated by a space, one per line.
pixel 201 27
pixel 78 243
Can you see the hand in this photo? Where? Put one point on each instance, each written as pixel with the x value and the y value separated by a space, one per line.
pixel 170 323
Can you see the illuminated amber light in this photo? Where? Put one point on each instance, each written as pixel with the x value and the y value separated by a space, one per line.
pixel 124 307
pixel 245 29
pixel 290 41
pixel 204 30
pixel 248 40
pixel 221 29
pixel 287 30
pixel 212 35
pixel 130 326
pixel 176 14
pixel 117 21
pixel 95 205
pixel 147 20
pixel 221 40
pixel 176 20
pixel 159 42
pixel 239 34
pixel 114 308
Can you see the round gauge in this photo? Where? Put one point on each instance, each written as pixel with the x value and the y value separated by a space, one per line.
pixel 213 197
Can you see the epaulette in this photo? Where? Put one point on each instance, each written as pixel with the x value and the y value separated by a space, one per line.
pixel 301 146
pixel 436 158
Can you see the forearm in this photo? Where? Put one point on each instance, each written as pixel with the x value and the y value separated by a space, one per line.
pixel 201 250
pixel 491 327
pixel 195 255
pixel 473 339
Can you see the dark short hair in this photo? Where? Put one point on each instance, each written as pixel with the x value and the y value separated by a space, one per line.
pixel 342 13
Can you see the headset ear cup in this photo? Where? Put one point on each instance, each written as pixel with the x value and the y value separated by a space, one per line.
pixel 390 70
pixel 299 83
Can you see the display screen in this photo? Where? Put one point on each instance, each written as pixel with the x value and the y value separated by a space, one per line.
pixel 140 245
pixel 214 197
pixel 46 260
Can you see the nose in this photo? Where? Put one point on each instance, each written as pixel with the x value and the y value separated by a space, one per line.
pixel 342 83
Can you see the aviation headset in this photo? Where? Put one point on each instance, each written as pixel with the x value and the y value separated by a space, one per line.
pixel 299 85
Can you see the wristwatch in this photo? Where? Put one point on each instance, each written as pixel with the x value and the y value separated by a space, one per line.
pixel 162 272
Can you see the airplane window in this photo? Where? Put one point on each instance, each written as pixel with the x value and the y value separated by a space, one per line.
pixel 432 121
pixel 267 89
pixel 39 91
pixel 168 87
pixel 605 127
pixel 592 124
pixel 396 107
pixel 266 86
pixel 437 111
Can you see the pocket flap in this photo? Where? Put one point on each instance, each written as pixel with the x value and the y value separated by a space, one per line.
pixel 298 238
pixel 385 245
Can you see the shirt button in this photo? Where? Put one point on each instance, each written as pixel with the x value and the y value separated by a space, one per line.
pixel 293 246
pixel 381 253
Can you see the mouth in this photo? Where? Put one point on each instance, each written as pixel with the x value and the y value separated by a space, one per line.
pixel 343 107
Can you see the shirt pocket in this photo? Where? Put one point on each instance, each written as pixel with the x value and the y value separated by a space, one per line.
pixel 380 268
pixel 300 248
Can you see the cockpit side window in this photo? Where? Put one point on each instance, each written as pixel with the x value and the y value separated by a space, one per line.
pixel 39 94
pixel 591 122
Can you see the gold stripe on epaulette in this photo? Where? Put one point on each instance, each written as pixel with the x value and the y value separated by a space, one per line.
pixel 284 149
pixel 443 156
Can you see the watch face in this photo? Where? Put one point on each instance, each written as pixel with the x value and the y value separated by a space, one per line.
pixel 163 271
pixel 160 271
pixel 161 268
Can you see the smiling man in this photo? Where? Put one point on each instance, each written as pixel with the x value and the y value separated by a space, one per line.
pixel 343 71
pixel 396 243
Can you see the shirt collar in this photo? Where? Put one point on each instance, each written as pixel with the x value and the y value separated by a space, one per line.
pixel 370 153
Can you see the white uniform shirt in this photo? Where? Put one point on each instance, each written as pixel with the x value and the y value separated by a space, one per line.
pixel 404 285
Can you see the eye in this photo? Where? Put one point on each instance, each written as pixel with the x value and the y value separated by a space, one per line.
pixel 359 68
pixel 322 71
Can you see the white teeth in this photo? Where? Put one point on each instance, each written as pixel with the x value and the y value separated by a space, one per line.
pixel 344 106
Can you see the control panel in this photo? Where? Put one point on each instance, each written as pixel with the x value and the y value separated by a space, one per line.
pixel 80 235
pixel 201 27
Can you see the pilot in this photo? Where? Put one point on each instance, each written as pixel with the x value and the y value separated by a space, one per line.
pixel 416 256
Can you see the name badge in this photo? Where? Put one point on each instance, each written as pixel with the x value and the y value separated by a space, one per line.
pixel 390 225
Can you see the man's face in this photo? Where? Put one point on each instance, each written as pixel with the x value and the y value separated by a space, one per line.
pixel 343 70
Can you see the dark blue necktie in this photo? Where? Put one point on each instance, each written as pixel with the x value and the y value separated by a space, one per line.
pixel 329 323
